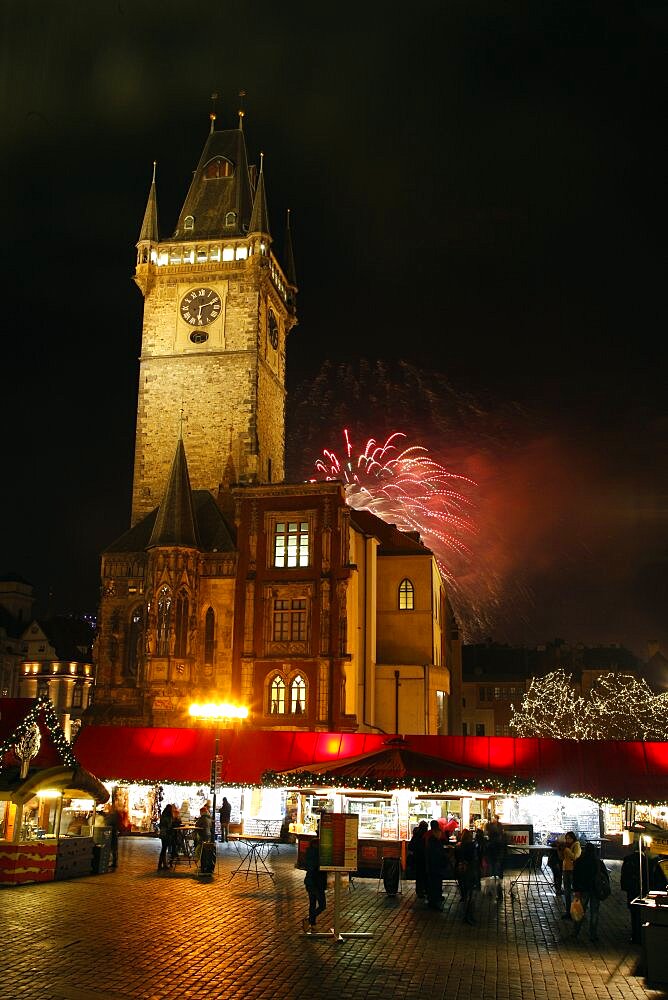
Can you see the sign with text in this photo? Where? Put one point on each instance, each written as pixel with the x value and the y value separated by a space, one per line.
pixel 338 841
pixel 216 774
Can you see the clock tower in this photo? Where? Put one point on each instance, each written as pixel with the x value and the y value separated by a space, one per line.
pixel 218 307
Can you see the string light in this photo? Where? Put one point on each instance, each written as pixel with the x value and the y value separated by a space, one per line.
pixel 309 779
pixel 43 706
pixel 616 707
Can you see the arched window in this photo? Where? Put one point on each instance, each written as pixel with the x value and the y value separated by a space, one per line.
pixel 164 622
pixel 189 222
pixel 135 641
pixel 406 596
pixel 230 218
pixel 277 696
pixel 220 167
pixel 298 695
pixel 181 625
pixel 209 632
pixel 77 696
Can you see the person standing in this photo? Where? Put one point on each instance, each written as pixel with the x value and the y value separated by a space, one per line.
pixel 113 822
pixel 165 829
pixel 466 869
pixel 315 883
pixel 585 868
pixel 569 852
pixel 417 853
pixel 496 851
pixel 434 866
pixel 225 815
pixel 630 884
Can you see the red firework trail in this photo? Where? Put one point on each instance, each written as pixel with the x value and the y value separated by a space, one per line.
pixel 405 486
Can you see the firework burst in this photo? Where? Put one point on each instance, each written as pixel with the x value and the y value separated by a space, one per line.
pixel 404 485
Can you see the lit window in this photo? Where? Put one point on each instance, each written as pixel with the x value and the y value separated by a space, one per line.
pixel 291 543
pixel 277 696
pixel 241 253
pixel 209 626
pixel 406 596
pixel 164 622
pixel 189 222
pixel 228 253
pixel 289 620
pixel 181 624
pixel 215 254
pixel 298 695
pixel 230 218
pixel 217 168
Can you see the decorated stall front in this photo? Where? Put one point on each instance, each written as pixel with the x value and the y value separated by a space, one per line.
pixel 47 799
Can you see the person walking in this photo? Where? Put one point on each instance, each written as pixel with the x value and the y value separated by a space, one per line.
pixel 315 883
pixel 585 869
pixel 466 870
pixel 165 829
pixel 113 820
pixel 225 815
pixel 569 852
pixel 630 884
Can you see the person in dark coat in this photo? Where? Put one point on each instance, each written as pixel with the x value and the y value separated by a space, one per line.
pixel 165 828
pixel 225 816
pixel 466 868
pixel 496 852
pixel 418 857
pixel 585 868
pixel 434 861
pixel 315 883
pixel 112 820
pixel 630 884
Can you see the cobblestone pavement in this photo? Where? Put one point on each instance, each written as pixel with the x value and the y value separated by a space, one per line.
pixel 137 933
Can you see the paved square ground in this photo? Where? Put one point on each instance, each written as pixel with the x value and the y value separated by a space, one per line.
pixel 140 933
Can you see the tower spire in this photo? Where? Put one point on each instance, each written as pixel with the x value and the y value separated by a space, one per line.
pixel 241 112
pixel 212 113
pixel 149 227
pixel 288 255
pixel 175 522
pixel 259 222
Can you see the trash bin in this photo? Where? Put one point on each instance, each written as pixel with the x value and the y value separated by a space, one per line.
pixel 391 875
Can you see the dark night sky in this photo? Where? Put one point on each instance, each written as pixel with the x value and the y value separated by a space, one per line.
pixel 476 188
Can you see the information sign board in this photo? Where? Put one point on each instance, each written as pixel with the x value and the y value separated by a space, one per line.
pixel 338 841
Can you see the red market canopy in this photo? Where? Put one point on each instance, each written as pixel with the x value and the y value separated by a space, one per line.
pixel 602 770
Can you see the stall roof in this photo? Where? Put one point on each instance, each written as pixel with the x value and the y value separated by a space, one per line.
pixel 603 769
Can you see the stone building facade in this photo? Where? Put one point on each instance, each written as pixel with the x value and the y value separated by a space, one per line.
pixel 231 584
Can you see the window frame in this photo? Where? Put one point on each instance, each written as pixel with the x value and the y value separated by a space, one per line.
pixel 406 595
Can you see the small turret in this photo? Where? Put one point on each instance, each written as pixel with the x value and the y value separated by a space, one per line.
pixel 259 222
pixel 175 523
pixel 149 227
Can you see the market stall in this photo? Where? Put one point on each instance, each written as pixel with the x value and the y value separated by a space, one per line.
pixel 47 799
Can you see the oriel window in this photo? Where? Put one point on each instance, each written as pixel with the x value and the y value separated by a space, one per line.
pixel 291 544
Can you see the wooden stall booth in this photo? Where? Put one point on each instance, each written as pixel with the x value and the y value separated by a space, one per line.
pixel 47 800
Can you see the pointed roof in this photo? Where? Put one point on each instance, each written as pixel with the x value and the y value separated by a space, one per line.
pixel 212 529
pixel 288 256
pixel 175 523
pixel 149 227
pixel 259 222
pixel 220 198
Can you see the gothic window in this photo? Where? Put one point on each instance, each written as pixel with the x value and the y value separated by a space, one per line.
pixel 219 167
pixel 209 632
pixel 135 641
pixel 291 543
pixel 189 222
pixel 77 696
pixel 164 621
pixel 289 620
pixel 43 689
pixel 406 596
pixel 230 218
pixel 181 624
pixel 298 695
pixel 277 696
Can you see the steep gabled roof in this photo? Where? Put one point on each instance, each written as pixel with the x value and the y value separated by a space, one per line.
pixel 392 540
pixel 175 522
pixel 212 530
pixel 210 200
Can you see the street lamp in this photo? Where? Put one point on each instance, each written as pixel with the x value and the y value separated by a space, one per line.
pixel 217 712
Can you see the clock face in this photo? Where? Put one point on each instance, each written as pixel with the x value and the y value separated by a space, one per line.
pixel 200 306
pixel 273 330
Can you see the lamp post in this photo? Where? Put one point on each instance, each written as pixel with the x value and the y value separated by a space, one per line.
pixel 217 712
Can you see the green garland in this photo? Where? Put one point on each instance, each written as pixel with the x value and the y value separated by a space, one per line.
pixel 62 744
pixel 309 779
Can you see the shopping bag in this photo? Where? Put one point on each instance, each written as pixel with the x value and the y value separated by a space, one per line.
pixel 577 910
pixel 488 886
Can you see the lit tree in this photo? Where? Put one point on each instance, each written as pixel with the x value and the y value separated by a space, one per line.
pixel 617 707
